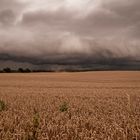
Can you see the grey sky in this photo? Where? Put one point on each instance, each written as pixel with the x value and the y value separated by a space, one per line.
pixel 69 31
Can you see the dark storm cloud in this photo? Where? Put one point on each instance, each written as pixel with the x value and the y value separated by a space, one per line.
pixel 127 12
pixel 7 17
pixel 111 17
pixel 107 34
pixel 9 11
pixel 8 4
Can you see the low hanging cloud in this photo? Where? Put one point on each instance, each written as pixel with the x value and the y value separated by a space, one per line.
pixel 70 34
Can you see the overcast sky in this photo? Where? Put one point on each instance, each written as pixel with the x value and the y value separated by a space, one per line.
pixel 69 32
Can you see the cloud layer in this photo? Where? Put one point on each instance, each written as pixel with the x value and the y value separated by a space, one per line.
pixel 70 32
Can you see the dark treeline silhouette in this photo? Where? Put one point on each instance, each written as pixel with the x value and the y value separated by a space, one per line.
pixel 24 70
pixel 27 70
pixel 20 70
pixel 7 70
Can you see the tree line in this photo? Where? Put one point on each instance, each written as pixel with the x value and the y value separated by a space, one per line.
pixel 23 70
pixel 20 70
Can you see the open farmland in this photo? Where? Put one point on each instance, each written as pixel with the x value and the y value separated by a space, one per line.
pixel 70 106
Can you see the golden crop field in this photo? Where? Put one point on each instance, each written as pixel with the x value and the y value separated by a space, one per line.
pixel 70 106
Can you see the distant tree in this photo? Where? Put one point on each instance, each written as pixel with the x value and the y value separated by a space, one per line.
pixel 7 70
pixel 20 70
pixel 27 70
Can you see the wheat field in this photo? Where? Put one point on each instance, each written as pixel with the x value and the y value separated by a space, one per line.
pixel 70 106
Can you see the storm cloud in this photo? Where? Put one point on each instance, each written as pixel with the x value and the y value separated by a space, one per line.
pixel 70 33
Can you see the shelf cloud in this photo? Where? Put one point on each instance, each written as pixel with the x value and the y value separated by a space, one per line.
pixel 70 33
